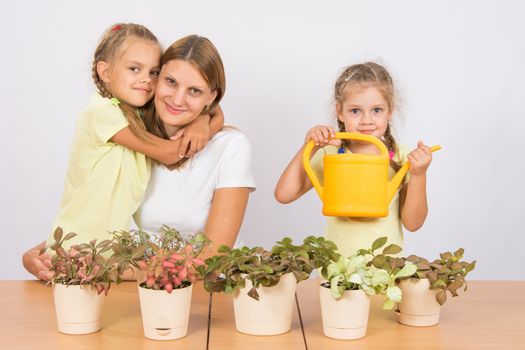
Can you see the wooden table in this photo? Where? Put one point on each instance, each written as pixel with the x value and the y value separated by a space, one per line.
pixel 491 315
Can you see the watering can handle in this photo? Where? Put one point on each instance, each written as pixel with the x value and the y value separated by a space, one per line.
pixel 393 184
pixel 338 135
pixel 308 168
pixel 406 166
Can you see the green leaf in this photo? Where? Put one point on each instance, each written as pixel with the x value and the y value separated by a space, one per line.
pixel 441 297
pixel 470 267
pixel 253 293
pixel 446 256
pixel 69 236
pixel 407 271
pixel 459 253
pixel 57 235
pixel 394 293
pixel 388 304
pixel 392 249
pixel 438 284
pixel 378 243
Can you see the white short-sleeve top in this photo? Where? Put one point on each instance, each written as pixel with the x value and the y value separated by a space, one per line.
pixel 181 198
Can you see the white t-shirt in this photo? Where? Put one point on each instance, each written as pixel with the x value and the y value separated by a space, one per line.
pixel 181 198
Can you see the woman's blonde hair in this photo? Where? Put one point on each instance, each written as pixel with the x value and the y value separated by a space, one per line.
pixel 107 50
pixel 359 76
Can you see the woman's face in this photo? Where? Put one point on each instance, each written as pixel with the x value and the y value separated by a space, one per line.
pixel 181 94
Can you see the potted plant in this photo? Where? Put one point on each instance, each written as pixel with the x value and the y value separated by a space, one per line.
pixel 345 296
pixel 170 265
pixel 426 290
pixel 82 276
pixel 130 247
pixel 263 282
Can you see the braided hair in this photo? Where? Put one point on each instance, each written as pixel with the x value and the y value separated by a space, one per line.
pixel 107 49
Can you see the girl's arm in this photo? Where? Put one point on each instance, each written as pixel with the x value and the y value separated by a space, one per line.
pixel 415 208
pixel 225 217
pixel 169 152
pixel 294 181
pixel 196 135
pixel 164 151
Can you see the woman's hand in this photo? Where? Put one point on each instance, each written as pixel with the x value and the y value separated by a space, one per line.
pixel 36 264
pixel 420 159
pixel 322 135
pixel 195 136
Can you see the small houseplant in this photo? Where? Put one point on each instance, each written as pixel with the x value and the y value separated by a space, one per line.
pixel 82 277
pixel 425 290
pixel 130 247
pixel 170 265
pixel 263 282
pixel 345 296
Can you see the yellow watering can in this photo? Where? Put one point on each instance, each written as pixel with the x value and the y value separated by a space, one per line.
pixel 355 184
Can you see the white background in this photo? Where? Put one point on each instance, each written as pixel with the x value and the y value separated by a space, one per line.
pixel 459 66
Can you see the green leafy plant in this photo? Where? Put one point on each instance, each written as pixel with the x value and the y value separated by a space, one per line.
pixel 228 271
pixel 168 259
pixel 357 272
pixel 130 246
pixel 444 274
pixel 83 264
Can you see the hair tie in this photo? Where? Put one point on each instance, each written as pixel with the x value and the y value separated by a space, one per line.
pixel 114 101
pixel 391 154
pixel 115 28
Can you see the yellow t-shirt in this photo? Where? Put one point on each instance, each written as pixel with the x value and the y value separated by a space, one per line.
pixel 352 234
pixel 105 182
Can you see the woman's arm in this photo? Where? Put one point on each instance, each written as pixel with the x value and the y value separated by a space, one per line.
pixel 225 217
pixel 36 264
pixel 414 206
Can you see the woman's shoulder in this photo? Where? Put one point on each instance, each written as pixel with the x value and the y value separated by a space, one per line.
pixel 230 137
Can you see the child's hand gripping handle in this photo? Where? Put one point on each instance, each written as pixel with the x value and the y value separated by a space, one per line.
pixel 338 135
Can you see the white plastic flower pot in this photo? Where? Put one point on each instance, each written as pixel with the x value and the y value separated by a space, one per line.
pixel 272 314
pixel 78 309
pixel 346 317
pixel 165 316
pixel 418 306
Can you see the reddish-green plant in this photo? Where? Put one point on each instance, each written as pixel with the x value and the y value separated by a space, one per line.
pixel 170 260
pixel 83 264
pixel 444 274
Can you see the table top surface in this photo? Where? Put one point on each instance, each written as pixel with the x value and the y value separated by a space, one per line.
pixel 490 315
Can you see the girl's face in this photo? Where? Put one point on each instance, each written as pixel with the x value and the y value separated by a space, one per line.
pixel 132 76
pixel 365 111
pixel 181 94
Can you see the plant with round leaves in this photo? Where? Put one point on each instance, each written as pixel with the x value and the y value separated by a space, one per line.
pixel 444 274
pixel 357 272
pixel 228 271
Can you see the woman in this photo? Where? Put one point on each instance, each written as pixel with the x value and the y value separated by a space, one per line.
pixel 209 191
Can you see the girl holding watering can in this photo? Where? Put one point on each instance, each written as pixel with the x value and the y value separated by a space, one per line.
pixel 364 103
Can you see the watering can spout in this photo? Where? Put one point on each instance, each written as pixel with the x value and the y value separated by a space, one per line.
pixel 395 182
